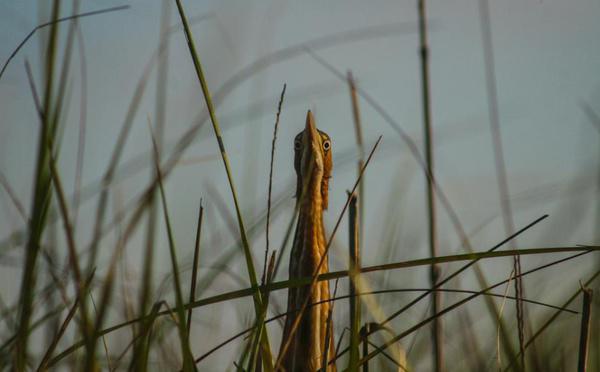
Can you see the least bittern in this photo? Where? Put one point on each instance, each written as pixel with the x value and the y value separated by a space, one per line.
pixel 313 166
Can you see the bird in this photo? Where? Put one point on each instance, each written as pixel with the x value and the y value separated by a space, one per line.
pixel 313 164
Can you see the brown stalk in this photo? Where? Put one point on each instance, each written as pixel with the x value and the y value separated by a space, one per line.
pixel 359 143
pixel 584 335
pixel 365 347
pixel 354 269
pixel 434 273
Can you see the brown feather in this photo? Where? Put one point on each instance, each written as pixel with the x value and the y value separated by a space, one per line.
pixel 313 165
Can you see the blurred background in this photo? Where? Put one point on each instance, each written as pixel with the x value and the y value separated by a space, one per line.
pixel 546 56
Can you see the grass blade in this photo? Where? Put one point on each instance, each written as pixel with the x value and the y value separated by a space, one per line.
pixel 354 269
pixel 188 359
pixel 43 364
pixel 268 224
pixel 359 144
pixel 192 297
pixel 584 340
pixel 268 274
pixel 553 317
pixel 258 302
pixel 52 23
pixel 434 271
pixel 41 201
pixel 460 303
pixel 328 331
pixel 344 273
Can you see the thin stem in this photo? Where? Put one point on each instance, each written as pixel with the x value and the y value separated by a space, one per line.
pixel 192 297
pixel 268 224
pixel 354 268
pixel 359 144
pixel 584 335
pixel 436 330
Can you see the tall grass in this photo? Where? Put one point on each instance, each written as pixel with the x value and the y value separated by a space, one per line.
pixel 170 326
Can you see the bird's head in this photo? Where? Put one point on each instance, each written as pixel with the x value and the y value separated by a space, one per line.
pixel 312 160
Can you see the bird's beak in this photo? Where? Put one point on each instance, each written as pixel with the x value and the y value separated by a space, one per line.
pixel 312 135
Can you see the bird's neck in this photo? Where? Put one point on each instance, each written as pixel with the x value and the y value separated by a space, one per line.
pixel 310 232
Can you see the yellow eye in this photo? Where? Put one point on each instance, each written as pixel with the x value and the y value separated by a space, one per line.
pixel 297 144
pixel 326 145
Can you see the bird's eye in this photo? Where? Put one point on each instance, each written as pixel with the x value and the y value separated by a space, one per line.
pixel 297 145
pixel 326 145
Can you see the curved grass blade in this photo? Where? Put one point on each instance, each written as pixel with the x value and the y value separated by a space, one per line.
pixel 53 22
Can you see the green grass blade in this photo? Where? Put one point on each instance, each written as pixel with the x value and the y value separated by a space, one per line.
pixel 188 359
pixel 265 348
pixel 41 201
